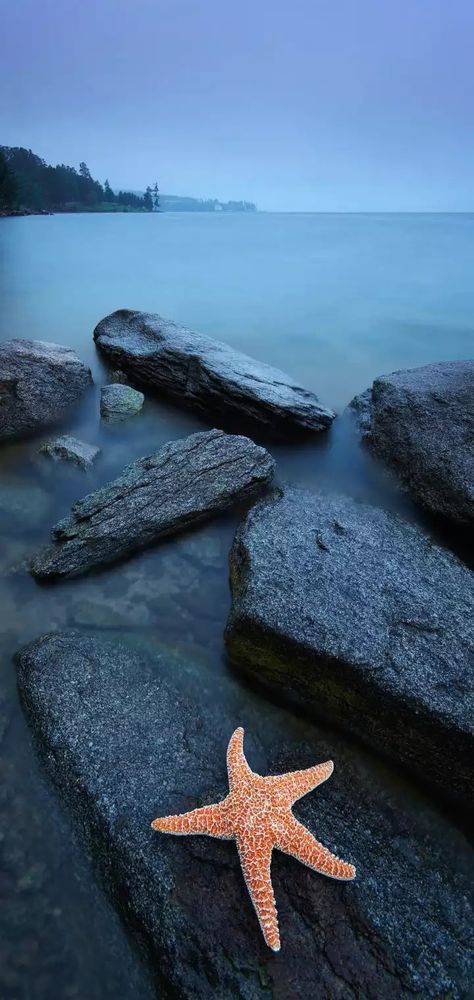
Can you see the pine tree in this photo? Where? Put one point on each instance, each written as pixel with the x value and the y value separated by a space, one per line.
pixel 109 194
pixel 8 186
pixel 148 199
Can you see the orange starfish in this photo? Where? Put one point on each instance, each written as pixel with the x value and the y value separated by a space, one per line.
pixel 257 815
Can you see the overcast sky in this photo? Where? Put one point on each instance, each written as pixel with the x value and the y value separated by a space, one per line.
pixel 303 105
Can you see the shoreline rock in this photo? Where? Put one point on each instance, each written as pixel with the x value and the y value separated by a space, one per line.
pixel 119 402
pixel 361 617
pixel 70 449
pixel 208 375
pixel 39 383
pixel 187 481
pixel 421 423
pixel 128 733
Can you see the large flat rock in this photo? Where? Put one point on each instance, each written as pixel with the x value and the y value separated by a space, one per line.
pixel 421 422
pixel 129 734
pixel 362 617
pixel 186 482
pixel 39 382
pixel 206 374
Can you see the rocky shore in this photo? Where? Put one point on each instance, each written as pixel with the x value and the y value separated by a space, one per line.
pixel 366 621
pixel 126 733
pixel 183 484
pixel 39 383
pixel 205 374
pixel 356 627
pixel 421 423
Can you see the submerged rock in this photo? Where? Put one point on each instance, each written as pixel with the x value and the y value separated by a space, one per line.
pixel 186 482
pixel 130 734
pixel 70 449
pixel 119 402
pixel 39 382
pixel 207 374
pixel 421 422
pixel 360 615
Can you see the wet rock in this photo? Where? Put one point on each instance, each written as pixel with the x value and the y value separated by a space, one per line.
pixel 367 621
pixel 118 377
pixel 421 422
pixel 186 482
pixel 39 382
pixel 128 734
pixel 119 402
pixel 206 374
pixel 70 449
pixel 22 506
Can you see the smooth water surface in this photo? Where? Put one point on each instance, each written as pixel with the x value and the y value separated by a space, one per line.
pixel 334 300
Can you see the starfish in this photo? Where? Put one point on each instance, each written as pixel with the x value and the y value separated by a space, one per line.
pixel 257 815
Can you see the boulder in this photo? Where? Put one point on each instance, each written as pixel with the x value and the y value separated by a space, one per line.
pixel 70 449
pixel 119 402
pixel 39 382
pixel 364 619
pixel 206 374
pixel 187 481
pixel 421 423
pixel 128 734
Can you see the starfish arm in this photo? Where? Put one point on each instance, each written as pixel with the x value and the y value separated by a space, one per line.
pixel 295 784
pixel 210 820
pixel 255 852
pixel 237 767
pixel 296 840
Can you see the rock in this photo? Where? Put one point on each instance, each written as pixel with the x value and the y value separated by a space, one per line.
pixel 206 374
pixel 70 449
pixel 39 382
pixel 186 482
pixel 22 506
pixel 128 734
pixel 119 402
pixel 421 422
pixel 118 377
pixel 368 622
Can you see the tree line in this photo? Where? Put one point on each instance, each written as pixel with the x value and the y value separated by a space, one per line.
pixel 28 183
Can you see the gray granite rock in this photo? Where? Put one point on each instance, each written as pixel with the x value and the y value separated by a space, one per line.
pixel 119 402
pixel 362 617
pixel 421 422
pixel 70 449
pixel 39 382
pixel 117 377
pixel 206 374
pixel 127 734
pixel 186 482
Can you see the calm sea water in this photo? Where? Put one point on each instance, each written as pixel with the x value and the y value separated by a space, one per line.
pixel 334 300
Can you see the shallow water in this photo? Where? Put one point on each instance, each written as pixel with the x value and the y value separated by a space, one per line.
pixel 334 300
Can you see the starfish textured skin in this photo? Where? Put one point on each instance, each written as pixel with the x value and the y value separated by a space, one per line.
pixel 257 815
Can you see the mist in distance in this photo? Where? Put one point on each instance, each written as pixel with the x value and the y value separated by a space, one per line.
pixel 354 105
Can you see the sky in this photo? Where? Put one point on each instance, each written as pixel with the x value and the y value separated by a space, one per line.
pixel 308 105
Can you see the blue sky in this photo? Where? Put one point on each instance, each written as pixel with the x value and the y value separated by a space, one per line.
pixel 333 105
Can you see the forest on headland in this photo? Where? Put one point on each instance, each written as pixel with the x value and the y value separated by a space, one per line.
pixel 29 185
